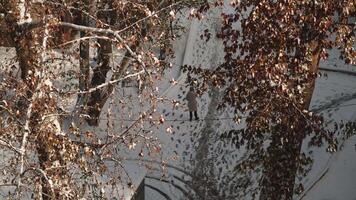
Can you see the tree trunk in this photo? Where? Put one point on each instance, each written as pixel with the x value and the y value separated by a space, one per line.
pixel 99 77
pixel 281 169
pixel 84 58
pixel 28 51
pixel 28 58
pixel 98 98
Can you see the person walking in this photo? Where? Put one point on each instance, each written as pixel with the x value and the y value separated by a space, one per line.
pixel 192 104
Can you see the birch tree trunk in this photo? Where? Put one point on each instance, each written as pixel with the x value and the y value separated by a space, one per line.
pixel 30 48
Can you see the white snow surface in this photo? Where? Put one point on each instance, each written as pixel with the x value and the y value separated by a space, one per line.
pixel 195 148
pixel 332 175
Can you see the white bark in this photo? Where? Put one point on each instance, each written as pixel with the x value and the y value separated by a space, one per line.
pixel 111 82
pixel 24 137
pixel 25 17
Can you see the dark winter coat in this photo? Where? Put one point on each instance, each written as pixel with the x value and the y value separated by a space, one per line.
pixel 192 102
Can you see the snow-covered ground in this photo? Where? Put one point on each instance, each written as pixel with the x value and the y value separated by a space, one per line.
pixel 332 175
pixel 192 158
pixel 199 151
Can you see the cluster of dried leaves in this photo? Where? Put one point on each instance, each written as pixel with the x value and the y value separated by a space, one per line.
pixel 42 157
pixel 272 53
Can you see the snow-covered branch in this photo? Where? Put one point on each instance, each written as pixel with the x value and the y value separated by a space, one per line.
pixel 111 83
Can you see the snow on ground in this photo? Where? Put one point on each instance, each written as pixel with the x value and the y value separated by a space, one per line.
pixel 339 181
pixel 193 157
pixel 191 151
pixel 334 96
pixel 333 175
pixel 195 146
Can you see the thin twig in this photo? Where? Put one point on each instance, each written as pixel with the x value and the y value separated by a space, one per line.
pixel 110 83
pixel 10 146
pixel 43 173
pixel 12 114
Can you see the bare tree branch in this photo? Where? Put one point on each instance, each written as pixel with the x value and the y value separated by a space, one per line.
pixel 108 32
pixel 44 175
pixel 12 114
pixel 27 131
pixel 10 146
pixel 110 83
